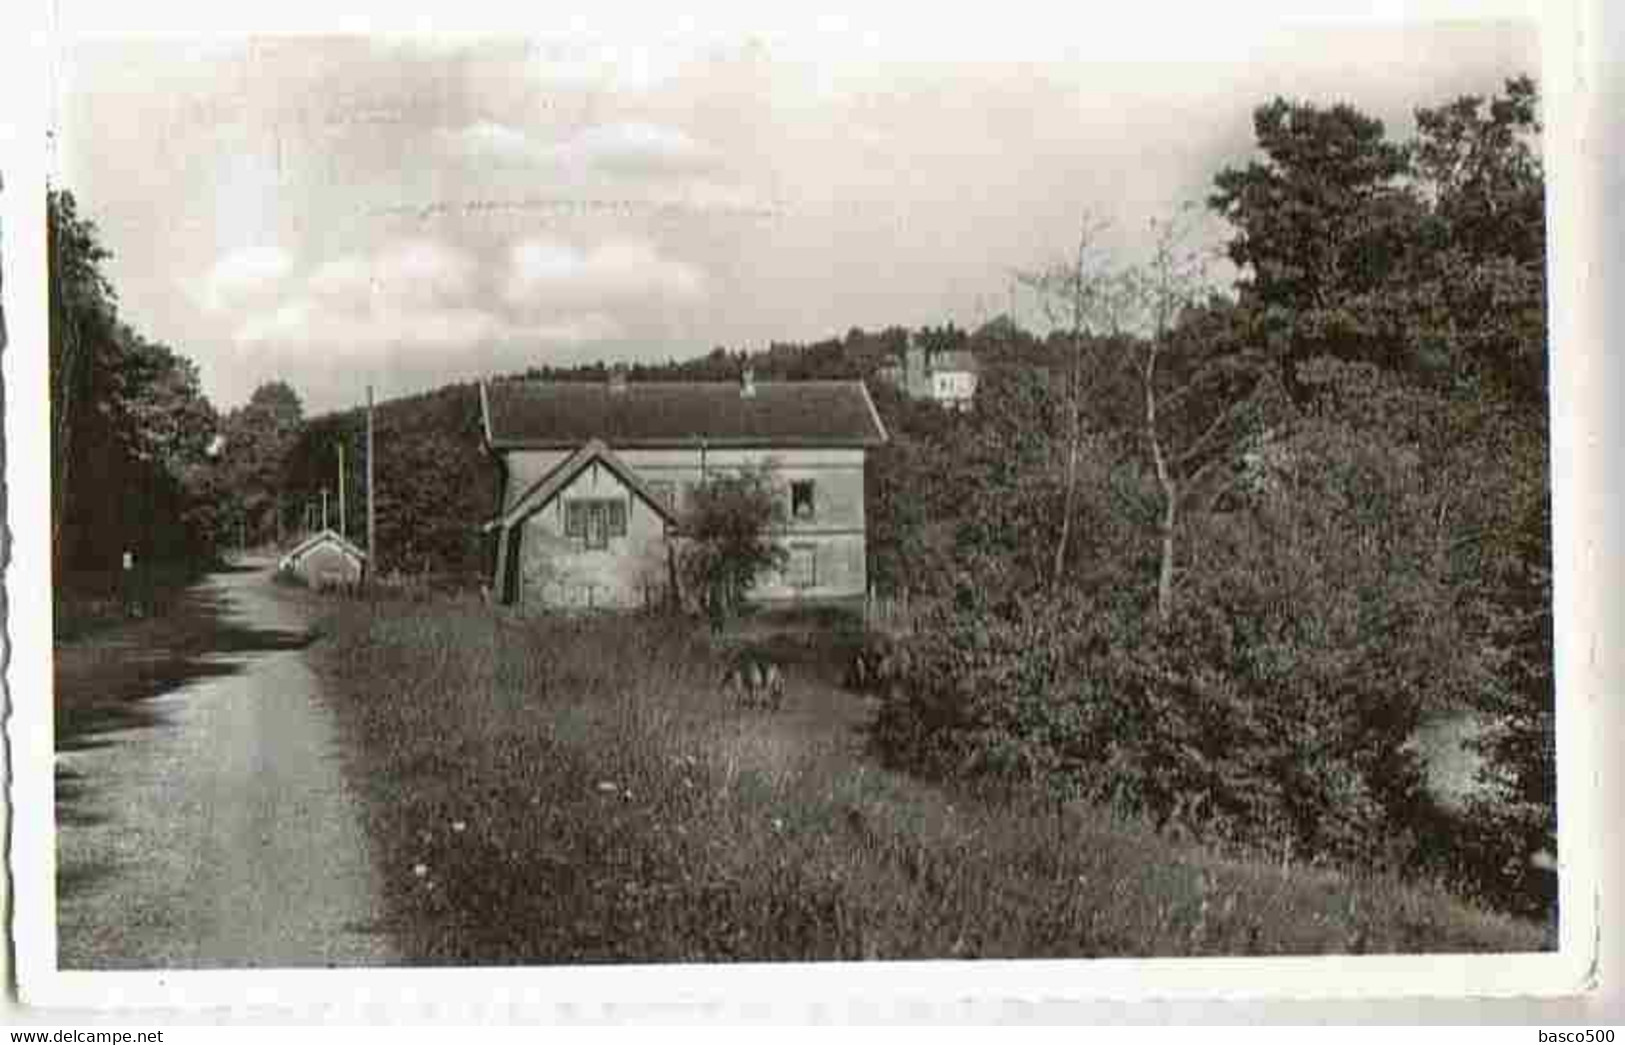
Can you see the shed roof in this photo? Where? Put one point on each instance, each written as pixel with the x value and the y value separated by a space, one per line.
pixel 687 413
pixel 314 541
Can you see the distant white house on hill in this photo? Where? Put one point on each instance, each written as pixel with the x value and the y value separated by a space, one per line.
pixel 948 377
pixel 596 475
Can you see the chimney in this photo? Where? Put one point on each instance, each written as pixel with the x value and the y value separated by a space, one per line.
pixel 617 378
pixel 747 382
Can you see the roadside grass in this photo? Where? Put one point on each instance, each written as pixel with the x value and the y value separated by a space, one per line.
pixel 85 602
pixel 554 790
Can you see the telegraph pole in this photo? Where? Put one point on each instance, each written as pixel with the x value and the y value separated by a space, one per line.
pixel 344 531
pixel 372 492
pixel 324 507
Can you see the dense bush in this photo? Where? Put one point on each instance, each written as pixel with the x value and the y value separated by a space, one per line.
pixel 1314 631
pixel 727 541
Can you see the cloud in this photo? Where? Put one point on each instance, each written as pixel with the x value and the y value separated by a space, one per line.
pixel 414 299
pixel 487 140
pixel 623 68
pixel 639 149
pixel 547 272
pixel 411 270
pixel 243 276
pixel 436 329
pixel 631 149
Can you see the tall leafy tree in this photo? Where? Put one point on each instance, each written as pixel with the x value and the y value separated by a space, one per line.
pixel 82 313
pixel 1477 297
pixel 131 427
pixel 1320 220
pixel 258 436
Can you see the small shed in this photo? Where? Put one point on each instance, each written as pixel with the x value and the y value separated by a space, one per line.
pixel 325 559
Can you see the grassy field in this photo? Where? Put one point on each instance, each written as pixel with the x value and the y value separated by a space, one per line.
pixel 545 791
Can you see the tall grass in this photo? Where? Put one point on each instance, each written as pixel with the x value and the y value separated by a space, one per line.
pixel 578 790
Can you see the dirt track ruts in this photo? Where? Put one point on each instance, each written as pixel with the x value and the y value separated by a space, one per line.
pixel 213 828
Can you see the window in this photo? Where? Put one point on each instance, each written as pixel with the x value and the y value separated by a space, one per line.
pixel 802 569
pixel 665 492
pixel 801 499
pixel 595 520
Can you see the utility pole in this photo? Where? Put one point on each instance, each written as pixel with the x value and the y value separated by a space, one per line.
pixel 324 507
pixel 344 531
pixel 372 492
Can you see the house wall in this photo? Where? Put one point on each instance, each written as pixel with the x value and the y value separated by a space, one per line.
pixel 953 387
pixel 556 570
pixel 327 564
pixel 833 534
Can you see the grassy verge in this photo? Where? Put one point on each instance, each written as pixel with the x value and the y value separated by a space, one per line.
pixel 577 791
pixel 88 602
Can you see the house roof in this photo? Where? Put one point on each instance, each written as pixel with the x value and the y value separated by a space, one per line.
pixel 299 550
pixel 781 413
pixel 956 359
pixel 548 486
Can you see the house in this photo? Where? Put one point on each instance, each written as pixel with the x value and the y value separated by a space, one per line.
pixel 324 559
pixel 953 378
pixel 948 377
pixel 596 476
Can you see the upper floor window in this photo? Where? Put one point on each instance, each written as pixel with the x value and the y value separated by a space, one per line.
pixel 802 502
pixel 665 491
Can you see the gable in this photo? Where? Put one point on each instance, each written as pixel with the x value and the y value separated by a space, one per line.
pixel 595 455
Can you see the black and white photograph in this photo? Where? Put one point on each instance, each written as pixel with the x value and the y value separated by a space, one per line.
pixel 556 499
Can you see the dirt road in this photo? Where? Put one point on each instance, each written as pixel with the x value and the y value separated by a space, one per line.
pixel 203 821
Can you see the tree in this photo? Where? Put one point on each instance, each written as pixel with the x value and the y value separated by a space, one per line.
pixel 82 306
pixel 258 436
pixel 1084 296
pixel 1221 392
pixel 131 427
pixel 1321 222
pixel 1477 295
pixel 728 540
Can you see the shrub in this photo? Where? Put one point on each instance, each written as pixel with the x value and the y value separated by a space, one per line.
pixel 1313 632
pixel 727 540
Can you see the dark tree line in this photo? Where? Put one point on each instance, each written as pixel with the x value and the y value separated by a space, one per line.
pixel 131 431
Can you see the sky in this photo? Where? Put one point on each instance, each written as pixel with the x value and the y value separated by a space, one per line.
pixel 408 211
